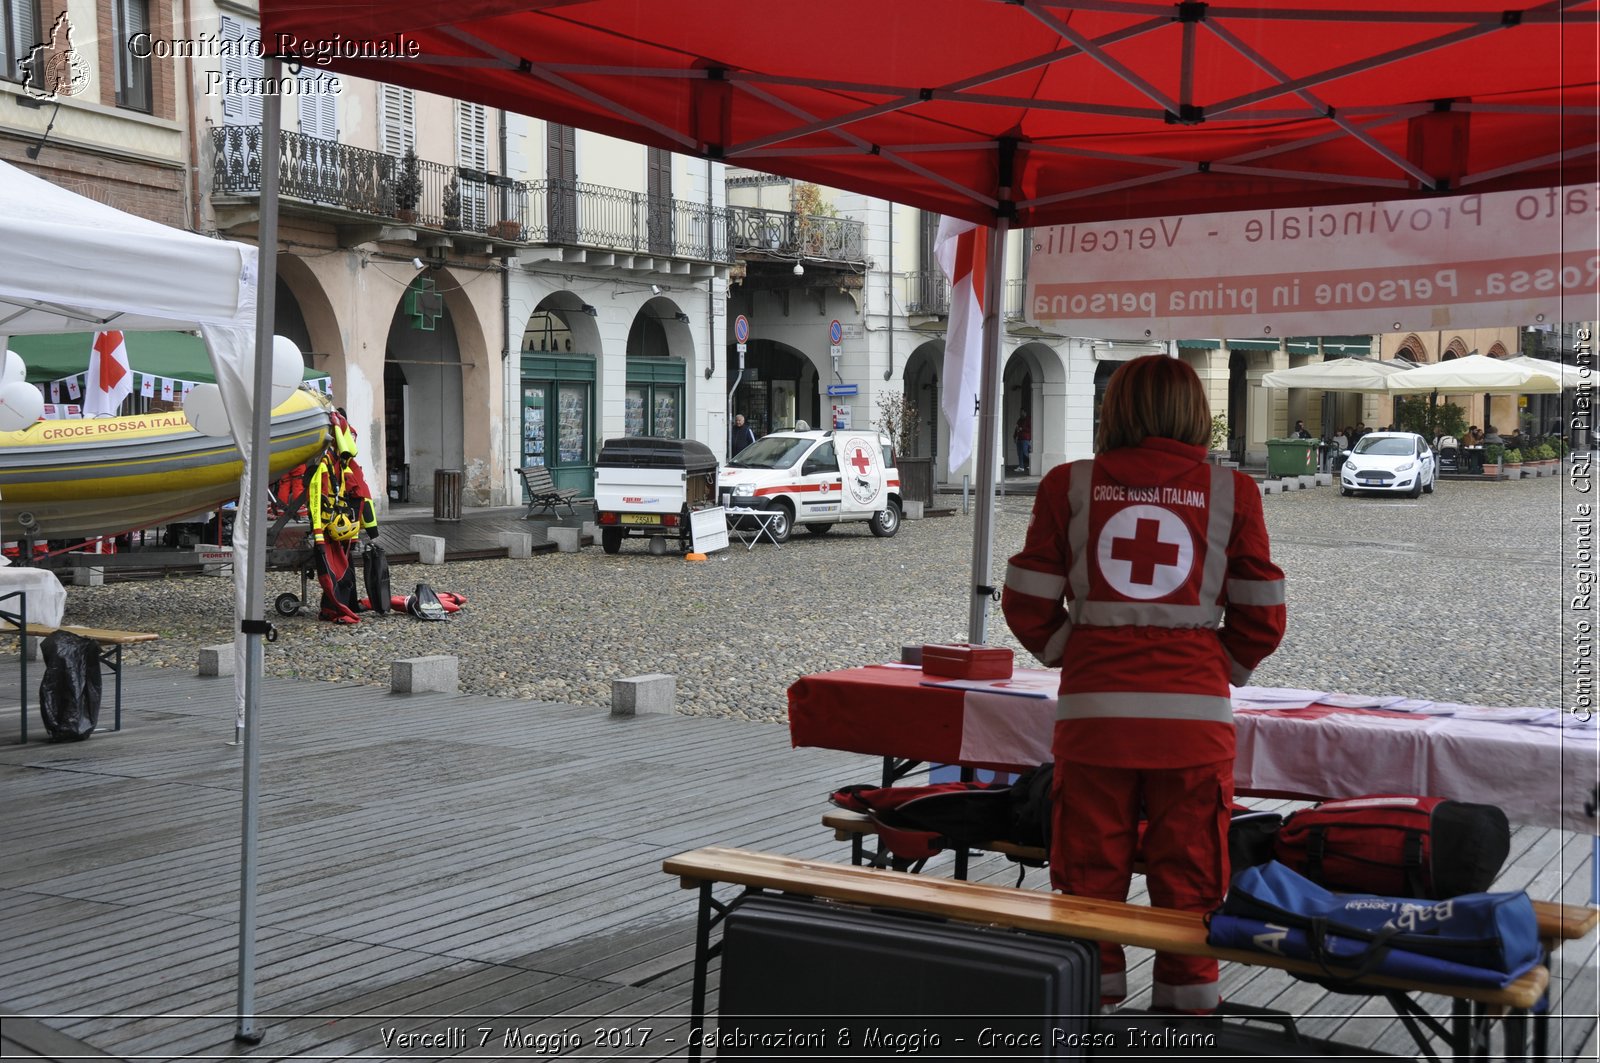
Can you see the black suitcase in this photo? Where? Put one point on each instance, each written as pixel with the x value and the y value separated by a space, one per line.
pixel 812 978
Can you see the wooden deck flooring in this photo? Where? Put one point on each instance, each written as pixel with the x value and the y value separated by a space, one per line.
pixel 431 863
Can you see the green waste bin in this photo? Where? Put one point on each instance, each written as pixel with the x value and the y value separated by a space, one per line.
pixel 1291 457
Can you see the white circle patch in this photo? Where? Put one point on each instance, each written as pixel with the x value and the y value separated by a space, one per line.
pixel 858 466
pixel 1145 552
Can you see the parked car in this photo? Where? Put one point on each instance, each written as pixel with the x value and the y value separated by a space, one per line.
pixel 1389 461
pixel 648 485
pixel 817 479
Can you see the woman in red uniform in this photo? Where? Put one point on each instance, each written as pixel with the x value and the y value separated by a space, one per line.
pixel 1146 576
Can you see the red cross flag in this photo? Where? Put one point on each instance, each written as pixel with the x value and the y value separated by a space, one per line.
pixel 109 379
pixel 962 249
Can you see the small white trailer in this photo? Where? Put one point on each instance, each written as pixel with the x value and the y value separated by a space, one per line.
pixel 645 486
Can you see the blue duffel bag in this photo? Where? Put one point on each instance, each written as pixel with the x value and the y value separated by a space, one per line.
pixel 1481 939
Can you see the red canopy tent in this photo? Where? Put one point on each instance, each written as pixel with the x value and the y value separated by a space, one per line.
pixel 1016 112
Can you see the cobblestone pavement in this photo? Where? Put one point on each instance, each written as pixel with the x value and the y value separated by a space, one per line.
pixel 1456 596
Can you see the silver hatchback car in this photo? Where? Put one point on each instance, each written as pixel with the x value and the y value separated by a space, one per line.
pixel 1389 461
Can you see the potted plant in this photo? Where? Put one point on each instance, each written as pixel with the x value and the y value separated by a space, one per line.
pixel 408 187
pixel 452 205
pixel 1547 457
pixel 1492 453
pixel 1219 438
pixel 1513 464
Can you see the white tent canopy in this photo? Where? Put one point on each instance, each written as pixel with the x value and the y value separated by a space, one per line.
pixel 1336 374
pixel 72 264
pixel 1569 375
pixel 1473 374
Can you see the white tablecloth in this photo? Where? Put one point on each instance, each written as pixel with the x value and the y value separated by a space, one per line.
pixel 47 598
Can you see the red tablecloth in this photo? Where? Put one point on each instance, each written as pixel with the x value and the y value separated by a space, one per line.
pixel 1538 775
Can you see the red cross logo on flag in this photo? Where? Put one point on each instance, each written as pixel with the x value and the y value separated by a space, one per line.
pixel 109 380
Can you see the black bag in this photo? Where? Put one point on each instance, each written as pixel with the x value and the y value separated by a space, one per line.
pixel 425 604
pixel 375 565
pixel 1397 845
pixel 69 695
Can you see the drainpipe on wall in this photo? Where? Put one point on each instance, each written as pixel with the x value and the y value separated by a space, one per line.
pixel 510 386
pixel 711 285
pixel 193 124
pixel 888 371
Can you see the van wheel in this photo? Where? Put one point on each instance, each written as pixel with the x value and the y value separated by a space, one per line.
pixel 611 540
pixel 783 526
pixel 886 521
pixel 819 529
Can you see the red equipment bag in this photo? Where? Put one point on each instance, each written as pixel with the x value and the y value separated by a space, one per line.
pixel 1397 845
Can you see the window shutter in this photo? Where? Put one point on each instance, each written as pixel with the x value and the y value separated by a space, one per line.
pixel 397 120
pixel 472 152
pixel 241 108
pixel 319 112
pixel 18 36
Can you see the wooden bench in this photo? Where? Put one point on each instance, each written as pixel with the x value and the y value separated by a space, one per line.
pixel 109 644
pixel 1097 920
pixel 543 494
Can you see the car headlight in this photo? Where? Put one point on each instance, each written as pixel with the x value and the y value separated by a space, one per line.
pixel 744 489
pixel 1407 467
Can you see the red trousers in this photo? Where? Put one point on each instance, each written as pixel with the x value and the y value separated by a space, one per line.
pixel 1095 839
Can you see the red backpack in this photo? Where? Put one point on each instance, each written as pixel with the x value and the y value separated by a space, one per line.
pixel 1397 845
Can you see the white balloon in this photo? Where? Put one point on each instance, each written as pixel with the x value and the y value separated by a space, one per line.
pixel 288 369
pixel 15 369
pixel 204 410
pixel 21 404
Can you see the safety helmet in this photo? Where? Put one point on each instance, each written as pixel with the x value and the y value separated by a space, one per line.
pixel 343 527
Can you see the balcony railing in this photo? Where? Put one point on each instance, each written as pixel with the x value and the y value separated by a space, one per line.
pixel 929 292
pixel 1016 300
pixel 785 234
pixel 454 198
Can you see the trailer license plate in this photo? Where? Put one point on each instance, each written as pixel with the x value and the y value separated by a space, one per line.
pixel 640 518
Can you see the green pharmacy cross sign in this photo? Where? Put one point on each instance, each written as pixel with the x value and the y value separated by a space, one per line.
pixel 424 304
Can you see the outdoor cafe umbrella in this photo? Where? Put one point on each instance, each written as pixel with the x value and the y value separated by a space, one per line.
pixel 1569 375
pixel 1473 374
pixel 1367 375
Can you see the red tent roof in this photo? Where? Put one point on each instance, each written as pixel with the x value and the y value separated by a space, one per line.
pixel 1100 110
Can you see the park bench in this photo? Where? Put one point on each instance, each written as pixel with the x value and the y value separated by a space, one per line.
pixel 543 494
pixel 109 644
pixel 1474 1008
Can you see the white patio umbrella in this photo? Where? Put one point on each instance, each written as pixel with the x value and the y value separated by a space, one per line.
pixel 1472 375
pixel 1336 374
pixel 1569 375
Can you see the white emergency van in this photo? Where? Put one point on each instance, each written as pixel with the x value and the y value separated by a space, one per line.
pixel 817 479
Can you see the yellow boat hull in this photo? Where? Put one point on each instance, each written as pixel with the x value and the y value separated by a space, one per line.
pixel 81 478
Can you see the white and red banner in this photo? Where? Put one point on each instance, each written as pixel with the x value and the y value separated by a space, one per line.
pixel 1473 261
pixel 962 250
pixel 109 379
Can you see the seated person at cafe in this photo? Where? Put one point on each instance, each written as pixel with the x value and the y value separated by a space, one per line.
pixel 1515 439
pixel 1490 435
pixel 1472 437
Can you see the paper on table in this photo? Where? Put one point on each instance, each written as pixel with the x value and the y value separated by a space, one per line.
pixel 1024 682
pixel 1275 695
pixel 1359 701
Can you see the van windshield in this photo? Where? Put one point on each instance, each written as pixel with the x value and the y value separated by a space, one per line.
pixel 771 452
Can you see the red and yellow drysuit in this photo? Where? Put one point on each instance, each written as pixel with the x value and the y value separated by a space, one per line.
pixel 1147 577
pixel 340 507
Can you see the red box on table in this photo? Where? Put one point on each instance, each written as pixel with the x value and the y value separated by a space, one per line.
pixel 962 660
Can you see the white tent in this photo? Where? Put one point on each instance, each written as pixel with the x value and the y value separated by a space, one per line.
pixel 1569 375
pixel 1471 375
pixel 73 265
pixel 1336 374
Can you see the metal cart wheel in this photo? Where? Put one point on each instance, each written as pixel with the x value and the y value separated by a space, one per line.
pixel 287 604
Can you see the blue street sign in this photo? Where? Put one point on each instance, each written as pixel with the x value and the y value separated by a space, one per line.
pixel 843 389
pixel 741 329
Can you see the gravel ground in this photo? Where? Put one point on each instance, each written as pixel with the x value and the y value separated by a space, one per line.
pixel 1457 596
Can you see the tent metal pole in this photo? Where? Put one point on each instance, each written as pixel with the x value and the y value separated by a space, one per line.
pixel 253 507
pixel 989 397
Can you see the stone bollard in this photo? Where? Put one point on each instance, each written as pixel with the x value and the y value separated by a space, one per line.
pixel 566 539
pixel 591 531
pixel 89 576
pixel 1270 487
pixel 416 675
pixel 911 509
pixel 653 693
pixel 429 548
pixel 1308 481
pixel 911 653
pixel 217 660
pixel 517 544
pixel 1324 479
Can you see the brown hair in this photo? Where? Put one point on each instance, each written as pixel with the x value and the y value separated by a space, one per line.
pixel 1154 396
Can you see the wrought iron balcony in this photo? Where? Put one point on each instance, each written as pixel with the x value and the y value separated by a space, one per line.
pixel 929 292
pixel 452 198
pixel 784 234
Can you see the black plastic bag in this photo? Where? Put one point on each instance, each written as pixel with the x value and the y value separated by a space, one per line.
pixel 69 695
pixel 425 604
pixel 375 565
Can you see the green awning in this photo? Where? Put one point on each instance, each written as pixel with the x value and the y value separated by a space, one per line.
pixel 164 355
